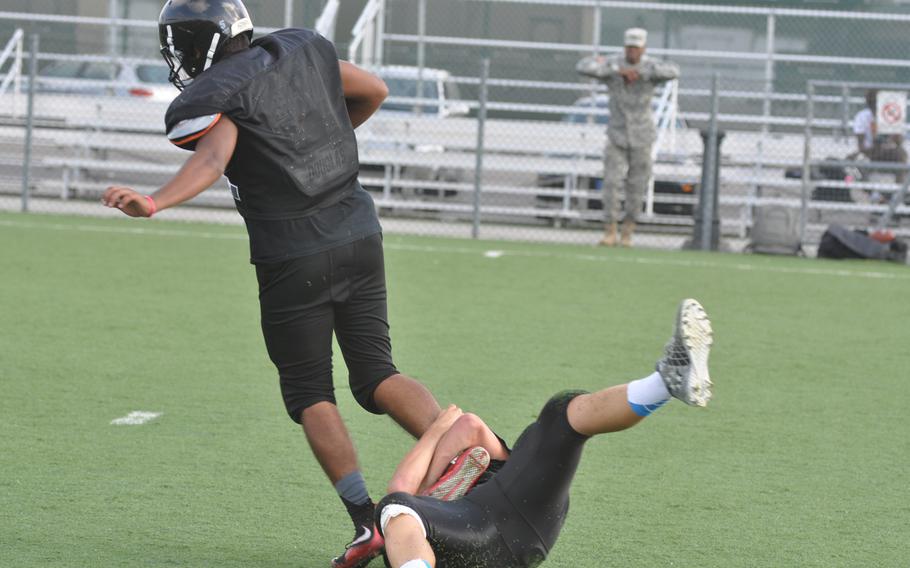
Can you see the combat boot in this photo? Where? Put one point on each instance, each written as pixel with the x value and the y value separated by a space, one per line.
pixel 609 238
pixel 628 227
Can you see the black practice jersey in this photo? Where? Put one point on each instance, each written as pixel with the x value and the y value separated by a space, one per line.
pixel 296 156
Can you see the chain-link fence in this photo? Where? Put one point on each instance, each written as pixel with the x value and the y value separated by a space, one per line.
pixel 512 148
pixel 101 91
pixel 125 27
pixel 854 172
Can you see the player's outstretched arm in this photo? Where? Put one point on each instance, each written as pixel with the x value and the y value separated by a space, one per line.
pixel 201 170
pixel 363 92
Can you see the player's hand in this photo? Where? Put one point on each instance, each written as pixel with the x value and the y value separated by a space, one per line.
pixel 129 201
pixel 447 417
pixel 629 75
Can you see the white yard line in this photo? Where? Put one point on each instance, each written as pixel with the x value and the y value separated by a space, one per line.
pixel 740 266
pixel 158 232
pixel 135 418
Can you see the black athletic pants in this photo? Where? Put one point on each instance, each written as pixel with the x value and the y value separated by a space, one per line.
pixel 303 300
pixel 513 520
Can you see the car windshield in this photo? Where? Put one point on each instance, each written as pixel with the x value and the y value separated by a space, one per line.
pixel 99 71
pixel 67 69
pixel 153 73
pixel 407 88
pixel 452 92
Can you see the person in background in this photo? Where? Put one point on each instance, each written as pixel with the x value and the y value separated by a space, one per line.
pixel 630 78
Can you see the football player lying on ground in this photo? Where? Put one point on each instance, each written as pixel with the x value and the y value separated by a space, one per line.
pixel 513 519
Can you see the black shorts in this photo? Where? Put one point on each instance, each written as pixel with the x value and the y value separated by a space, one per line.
pixel 303 300
pixel 513 520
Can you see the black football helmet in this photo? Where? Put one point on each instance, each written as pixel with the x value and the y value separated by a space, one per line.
pixel 192 34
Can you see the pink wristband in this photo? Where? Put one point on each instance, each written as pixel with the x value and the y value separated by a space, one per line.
pixel 152 205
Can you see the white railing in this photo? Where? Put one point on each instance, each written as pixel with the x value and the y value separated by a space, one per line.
pixel 776 53
pixel 325 24
pixel 367 35
pixel 14 73
pixel 665 116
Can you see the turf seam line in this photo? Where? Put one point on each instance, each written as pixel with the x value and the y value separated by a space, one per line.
pixel 136 418
pixel 141 231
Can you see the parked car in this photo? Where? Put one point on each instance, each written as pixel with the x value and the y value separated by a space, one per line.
pixel 146 81
pixel 599 114
pixel 437 85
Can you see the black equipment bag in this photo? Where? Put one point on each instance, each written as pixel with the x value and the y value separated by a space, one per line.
pixel 839 242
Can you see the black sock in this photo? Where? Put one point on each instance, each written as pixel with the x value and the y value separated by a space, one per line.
pixel 361 515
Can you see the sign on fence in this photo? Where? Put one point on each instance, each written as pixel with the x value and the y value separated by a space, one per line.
pixel 891 112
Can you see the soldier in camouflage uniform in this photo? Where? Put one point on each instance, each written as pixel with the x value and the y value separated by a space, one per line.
pixel 631 79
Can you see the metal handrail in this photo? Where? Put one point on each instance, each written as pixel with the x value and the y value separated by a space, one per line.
pixel 665 117
pixel 364 31
pixel 325 23
pixel 13 48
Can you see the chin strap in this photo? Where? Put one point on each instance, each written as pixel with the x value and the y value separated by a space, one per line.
pixel 170 41
pixel 211 54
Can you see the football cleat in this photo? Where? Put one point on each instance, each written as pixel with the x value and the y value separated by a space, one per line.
pixel 684 366
pixel 366 546
pixel 461 475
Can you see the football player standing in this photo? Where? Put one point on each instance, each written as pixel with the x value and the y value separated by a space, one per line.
pixel 276 116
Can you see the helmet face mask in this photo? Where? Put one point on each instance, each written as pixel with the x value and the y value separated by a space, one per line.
pixel 192 34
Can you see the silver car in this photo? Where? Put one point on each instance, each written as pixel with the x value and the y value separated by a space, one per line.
pixel 123 78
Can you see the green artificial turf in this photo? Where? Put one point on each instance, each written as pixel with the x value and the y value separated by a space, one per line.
pixel 801 459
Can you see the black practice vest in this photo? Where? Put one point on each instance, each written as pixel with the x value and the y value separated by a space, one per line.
pixel 296 151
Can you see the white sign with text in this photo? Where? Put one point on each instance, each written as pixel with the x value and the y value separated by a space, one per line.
pixel 891 112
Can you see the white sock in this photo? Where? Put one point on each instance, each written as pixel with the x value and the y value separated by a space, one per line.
pixel 416 563
pixel 389 512
pixel 648 394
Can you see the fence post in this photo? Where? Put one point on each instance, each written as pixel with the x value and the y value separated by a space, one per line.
pixel 478 165
pixel 421 50
pixel 896 199
pixel 113 13
pixel 758 167
pixel 807 166
pixel 846 127
pixel 596 30
pixel 288 13
pixel 17 68
pixel 29 122
pixel 380 33
pixel 706 233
